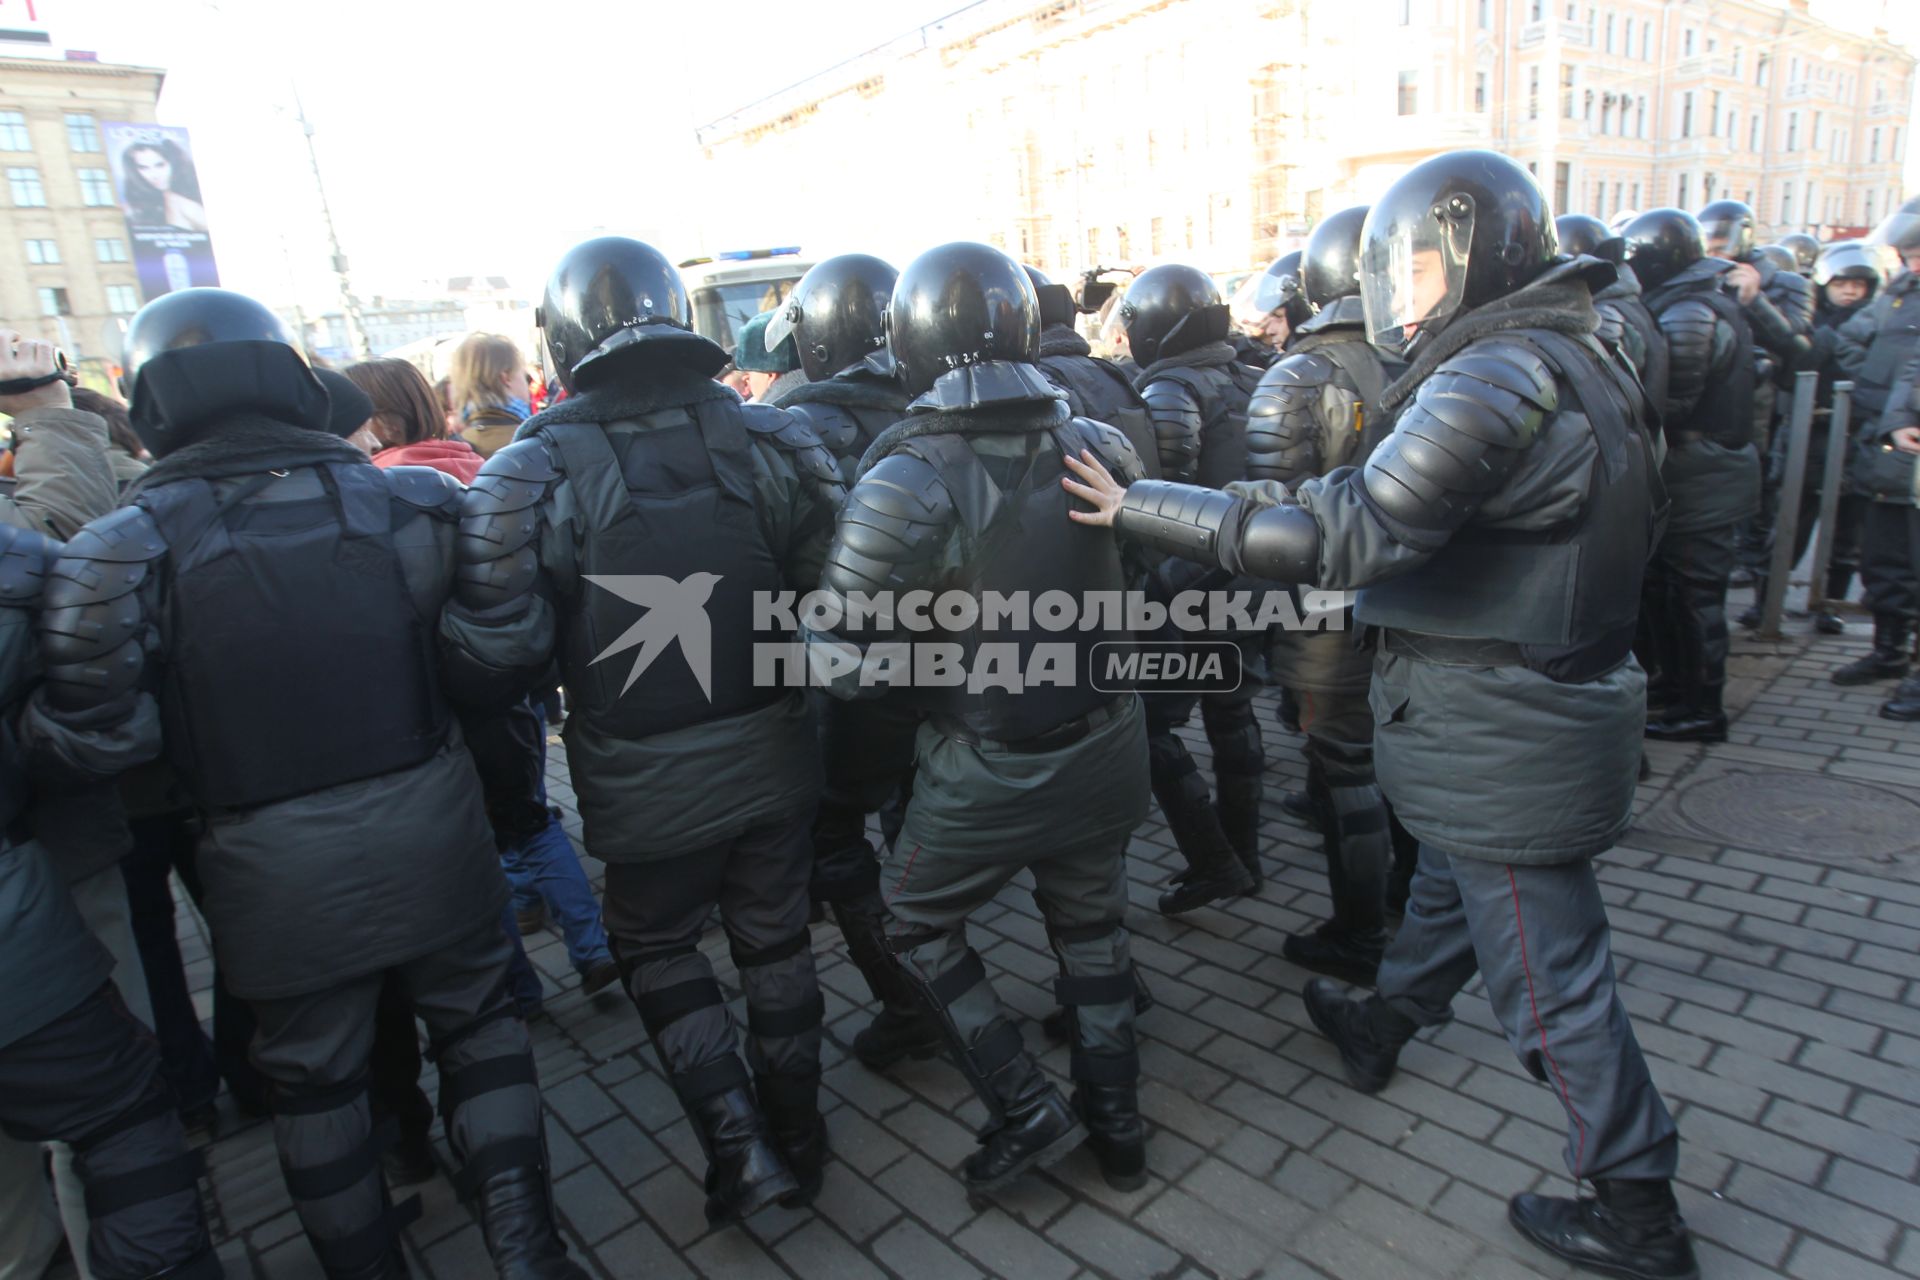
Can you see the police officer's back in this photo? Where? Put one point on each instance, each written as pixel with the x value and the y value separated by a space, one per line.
pixel 262 614
pixel 1097 389
pixel 835 318
pixel 626 537
pixel 1626 326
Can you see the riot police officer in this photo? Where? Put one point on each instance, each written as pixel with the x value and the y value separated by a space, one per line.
pixel 1711 471
pixel 963 500
pixel 1626 326
pixel 836 319
pixel 642 515
pixel 1096 389
pixel 1316 409
pixel 1872 348
pixel 1805 250
pixel 286 592
pixel 1196 393
pixel 1267 310
pixel 1518 457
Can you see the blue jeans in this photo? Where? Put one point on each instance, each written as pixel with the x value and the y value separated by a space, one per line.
pixel 523 981
pixel 546 869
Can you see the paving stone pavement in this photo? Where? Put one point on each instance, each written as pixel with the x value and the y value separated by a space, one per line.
pixel 1772 980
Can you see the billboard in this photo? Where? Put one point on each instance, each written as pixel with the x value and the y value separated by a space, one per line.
pixel 159 190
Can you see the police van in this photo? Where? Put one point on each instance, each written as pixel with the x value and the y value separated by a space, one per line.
pixel 731 288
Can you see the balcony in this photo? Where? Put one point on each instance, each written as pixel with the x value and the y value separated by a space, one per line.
pixel 1811 91
pixel 1534 34
pixel 1702 66
pixel 1881 110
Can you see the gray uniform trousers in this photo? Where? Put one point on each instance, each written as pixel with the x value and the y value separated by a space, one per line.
pixel 314 1050
pixel 978 817
pixel 656 911
pixel 1539 934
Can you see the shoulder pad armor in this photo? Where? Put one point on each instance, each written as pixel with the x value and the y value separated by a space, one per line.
pixel 1691 330
pixel 1177 421
pixel 895 523
pixel 127 535
pixel 91 615
pixel 106 559
pixel 511 480
pixel 833 425
pixel 1283 417
pixel 427 488
pixel 796 437
pixel 26 557
pixel 1109 444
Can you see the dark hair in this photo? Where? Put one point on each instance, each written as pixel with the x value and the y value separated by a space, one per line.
pixel 119 425
pixel 146 203
pixel 402 395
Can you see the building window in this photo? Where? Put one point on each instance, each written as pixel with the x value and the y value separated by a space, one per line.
pixel 1818 117
pixel 81 133
pixel 1536 11
pixel 96 188
pixel 122 299
pixel 1566 91
pixel 1486 14
pixel 1873 147
pixel 1640 121
pixel 1406 13
pixel 1707 186
pixel 1733 128
pixel 1713 121
pixel 53 302
pixel 1093 246
pixel 1618 189
pixel 13 132
pixel 1563 184
pixel 1869 218
pixel 25 186
pixel 1683 191
pixel 1687 38
pixel 43 253
pixel 1753 132
pixel 1793 131
pixel 1686 117
pixel 1533 93
pixel 1786 203
pixel 1760 70
pixel 1793 71
pixel 1479 91
pixel 1610 26
pixel 110 249
pixel 1636 195
pixel 1894 154
pixel 1409 93
pixel 1739 53
pixel 1157 237
pixel 1646 38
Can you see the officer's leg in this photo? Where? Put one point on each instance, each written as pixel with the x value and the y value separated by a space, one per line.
pixel 929 897
pixel 393 1087
pixel 1886 574
pixel 1701 567
pixel 1357 840
pixel 867 751
pixel 763 906
pixel 1542 939
pixel 91 1078
pixel 1214 870
pixel 1082 895
pixel 1425 966
pixel 490 1102
pixel 656 912
pixel 1904 704
pixel 313 1050
pixel 1653 642
pixel 185 1052
pixel 1239 763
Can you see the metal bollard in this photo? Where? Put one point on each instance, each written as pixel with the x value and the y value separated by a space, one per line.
pixel 1799 434
pixel 1832 479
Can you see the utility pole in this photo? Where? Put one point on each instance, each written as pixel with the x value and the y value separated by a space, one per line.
pixel 356 329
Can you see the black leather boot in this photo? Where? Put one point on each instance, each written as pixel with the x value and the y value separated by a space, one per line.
pixel 1689 725
pixel 1631 1228
pixel 792 1107
pixel 745 1173
pixel 1887 661
pixel 1330 949
pixel 516 1220
pixel 1214 870
pixel 1299 806
pixel 1905 702
pixel 1115 1131
pixel 895 1035
pixel 903 1028
pixel 1239 813
pixel 1368 1034
pixel 1037 1128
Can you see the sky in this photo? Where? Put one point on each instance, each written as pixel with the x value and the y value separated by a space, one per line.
pixel 483 137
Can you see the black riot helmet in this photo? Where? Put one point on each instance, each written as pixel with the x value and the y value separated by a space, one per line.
pixel 1170 309
pixel 1583 234
pixel 1779 257
pixel 1056 300
pixel 1850 260
pixel 1805 250
pixel 1901 229
pixel 196 356
pixel 1662 243
pixel 837 314
pixel 1279 290
pixel 1727 227
pixel 1454 233
pixel 612 294
pixel 1330 264
pixel 960 304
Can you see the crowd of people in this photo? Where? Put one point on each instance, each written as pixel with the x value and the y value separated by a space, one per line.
pixel 1520 459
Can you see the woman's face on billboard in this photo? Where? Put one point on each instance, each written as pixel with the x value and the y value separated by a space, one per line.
pixel 154 168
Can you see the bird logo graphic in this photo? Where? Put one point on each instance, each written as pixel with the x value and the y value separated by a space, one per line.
pixel 673 610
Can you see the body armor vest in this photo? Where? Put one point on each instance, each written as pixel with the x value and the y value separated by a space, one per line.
pixel 659 505
pixel 1097 390
pixel 1222 392
pixel 1569 596
pixel 1653 365
pixel 1349 351
pixel 1016 536
pixel 296 656
pixel 1725 414
pixel 846 429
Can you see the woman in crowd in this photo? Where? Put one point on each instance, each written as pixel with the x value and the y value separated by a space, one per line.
pixel 407 428
pixel 489 391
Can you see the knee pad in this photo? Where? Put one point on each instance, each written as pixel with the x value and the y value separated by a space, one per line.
pixel 767 1021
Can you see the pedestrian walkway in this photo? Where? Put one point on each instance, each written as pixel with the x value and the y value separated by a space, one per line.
pixel 1766 911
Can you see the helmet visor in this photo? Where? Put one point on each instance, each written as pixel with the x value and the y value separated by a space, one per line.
pixel 1901 231
pixel 1414 270
pixel 1270 293
pixel 780 327
pixel 1723 235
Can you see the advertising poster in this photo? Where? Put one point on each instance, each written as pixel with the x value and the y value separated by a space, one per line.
pixel 159 190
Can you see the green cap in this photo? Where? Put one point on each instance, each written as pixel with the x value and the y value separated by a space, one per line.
pixel 750 349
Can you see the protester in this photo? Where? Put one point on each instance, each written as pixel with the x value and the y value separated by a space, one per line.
pixel 487 391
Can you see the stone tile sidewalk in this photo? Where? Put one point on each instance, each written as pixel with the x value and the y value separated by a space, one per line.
pixel 1767 917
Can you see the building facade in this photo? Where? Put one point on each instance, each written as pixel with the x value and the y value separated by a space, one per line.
pixel 66 269
pixel 1076 133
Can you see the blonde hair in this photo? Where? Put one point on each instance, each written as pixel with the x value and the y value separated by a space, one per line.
pixel 480 365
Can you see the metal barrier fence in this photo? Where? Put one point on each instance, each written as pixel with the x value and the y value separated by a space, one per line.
pixel 1793 484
